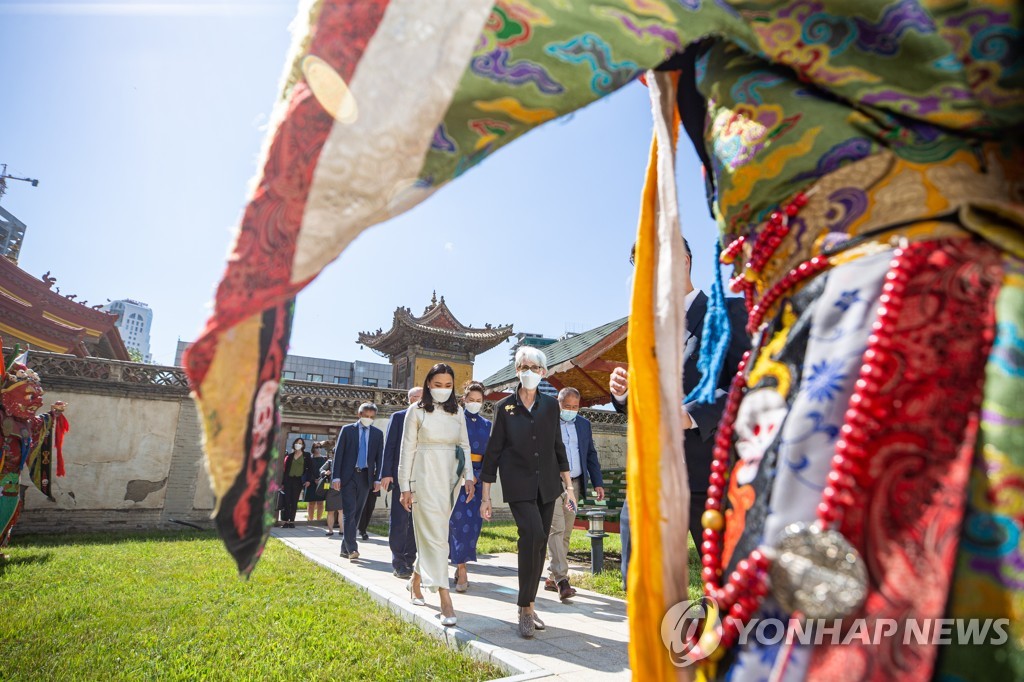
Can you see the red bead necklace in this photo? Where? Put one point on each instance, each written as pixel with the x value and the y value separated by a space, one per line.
pixel 741 594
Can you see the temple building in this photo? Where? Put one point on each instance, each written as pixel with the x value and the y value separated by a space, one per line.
pixel 415 344
pixel 583 361
pixel 34 314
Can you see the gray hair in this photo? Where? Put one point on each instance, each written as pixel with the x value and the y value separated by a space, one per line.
pixel 533 354
pixel 413 391
pixel 568 391
pixel 367 406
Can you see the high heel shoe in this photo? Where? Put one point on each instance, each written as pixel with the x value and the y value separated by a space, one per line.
pixel 461 587
pixel 416 601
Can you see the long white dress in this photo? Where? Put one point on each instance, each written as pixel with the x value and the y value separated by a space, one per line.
pixel 428 468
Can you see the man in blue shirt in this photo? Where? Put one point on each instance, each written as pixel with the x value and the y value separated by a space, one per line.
pixel 357 462
pixel 578 437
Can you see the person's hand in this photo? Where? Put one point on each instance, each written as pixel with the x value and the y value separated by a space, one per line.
pixel 336 485
pixel 570 499
pixel 406 501
pixel 386 482
pixel 485 509
pixel 376 486
pixel 470 490
pixel 600 493
pixel 687 420
pixel 58 406
pixel 306 484
pixel 618 382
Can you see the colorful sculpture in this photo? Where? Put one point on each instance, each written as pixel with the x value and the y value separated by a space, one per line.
pixel 28 440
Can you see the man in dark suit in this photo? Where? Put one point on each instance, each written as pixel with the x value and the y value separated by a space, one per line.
pixel 400 534
pixel 700 420
pixel 578 437
pixel 357 463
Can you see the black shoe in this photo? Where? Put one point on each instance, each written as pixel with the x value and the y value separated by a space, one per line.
pixel 345 555
pixel 403 575
pixel 364 536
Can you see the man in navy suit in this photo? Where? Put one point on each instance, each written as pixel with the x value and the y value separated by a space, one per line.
pixel 578 437
pixel 700 420
pixel 357 462
pixel 400 535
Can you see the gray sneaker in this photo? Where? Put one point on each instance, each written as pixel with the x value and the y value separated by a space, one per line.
pixel 527 626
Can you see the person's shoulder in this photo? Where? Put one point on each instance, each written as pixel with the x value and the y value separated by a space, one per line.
pixel 583 420
pixel 398 415
pixel 736 306
pixel 503 402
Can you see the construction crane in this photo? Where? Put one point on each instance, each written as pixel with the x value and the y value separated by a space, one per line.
pixel 4 177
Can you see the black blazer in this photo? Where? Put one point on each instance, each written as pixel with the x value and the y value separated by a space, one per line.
pixel 306 467
pixel 589 463
pixel 346 453
pixel 526 448
pixel 699 443
pixel 393 446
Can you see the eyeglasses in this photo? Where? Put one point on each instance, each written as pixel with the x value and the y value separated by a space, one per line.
pixel 536 369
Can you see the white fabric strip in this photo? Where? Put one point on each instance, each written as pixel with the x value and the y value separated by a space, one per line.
pixel 401 88
pixel 669 328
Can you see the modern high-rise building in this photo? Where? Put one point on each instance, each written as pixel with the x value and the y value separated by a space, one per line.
pixel 12 232
pixel 303 368
pixel 134 319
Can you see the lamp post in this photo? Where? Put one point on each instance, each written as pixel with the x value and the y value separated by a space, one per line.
pixel 596 535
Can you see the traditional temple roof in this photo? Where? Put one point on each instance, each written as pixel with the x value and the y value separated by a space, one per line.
pixel 436 328
pixel 584 361
pixel 32 312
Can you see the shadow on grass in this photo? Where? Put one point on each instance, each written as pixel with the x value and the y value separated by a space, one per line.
pixel 14 561
pixel 109 538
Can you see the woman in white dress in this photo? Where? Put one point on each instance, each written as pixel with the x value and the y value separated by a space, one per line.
pixel 430 471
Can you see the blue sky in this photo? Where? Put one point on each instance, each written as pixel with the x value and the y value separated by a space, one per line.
pixel 143 121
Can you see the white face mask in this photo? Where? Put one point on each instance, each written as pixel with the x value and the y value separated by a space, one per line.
pixel 366 421
pixel 474 408
pixel 299 446
pixel 440 395
pixel 529 379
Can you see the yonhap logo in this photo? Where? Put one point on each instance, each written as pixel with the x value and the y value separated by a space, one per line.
pixel 691 631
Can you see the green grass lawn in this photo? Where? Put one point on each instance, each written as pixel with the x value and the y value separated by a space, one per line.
pixel 500 536
pixel 171 607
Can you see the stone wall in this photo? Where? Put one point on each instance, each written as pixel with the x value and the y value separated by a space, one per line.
pixel 133 455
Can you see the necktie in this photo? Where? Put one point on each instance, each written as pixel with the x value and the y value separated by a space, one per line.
pixel 361 459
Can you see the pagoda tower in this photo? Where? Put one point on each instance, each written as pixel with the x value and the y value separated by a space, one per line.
pixel 415 344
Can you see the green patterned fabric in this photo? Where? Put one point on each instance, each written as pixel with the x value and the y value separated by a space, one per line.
pixel 794 89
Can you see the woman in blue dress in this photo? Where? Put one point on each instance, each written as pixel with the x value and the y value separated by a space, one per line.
pixel 465 522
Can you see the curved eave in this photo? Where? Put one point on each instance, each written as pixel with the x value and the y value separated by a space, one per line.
pixel 394 340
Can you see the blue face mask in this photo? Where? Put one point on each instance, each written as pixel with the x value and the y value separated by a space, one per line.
pixel 568 415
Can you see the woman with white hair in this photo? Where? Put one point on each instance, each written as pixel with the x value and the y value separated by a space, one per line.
pixel 526 449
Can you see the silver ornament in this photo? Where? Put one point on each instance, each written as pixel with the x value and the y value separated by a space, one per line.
pixel 817 572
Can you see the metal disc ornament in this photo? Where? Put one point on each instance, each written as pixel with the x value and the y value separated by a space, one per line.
pixel 817 572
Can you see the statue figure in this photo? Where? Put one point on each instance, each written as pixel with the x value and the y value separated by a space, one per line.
pixel 27 440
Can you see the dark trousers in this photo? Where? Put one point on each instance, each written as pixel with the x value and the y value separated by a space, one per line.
pixel 400 534
pixel 697 501
pixel 533 520
pixel 292 490
pixel 371 504
pixel 353 499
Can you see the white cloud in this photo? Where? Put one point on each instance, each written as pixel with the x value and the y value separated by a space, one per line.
pixel 449 247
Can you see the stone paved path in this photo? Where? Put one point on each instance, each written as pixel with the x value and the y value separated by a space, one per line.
pixel 585 640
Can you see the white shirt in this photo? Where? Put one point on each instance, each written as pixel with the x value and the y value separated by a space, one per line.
pixel 688 301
